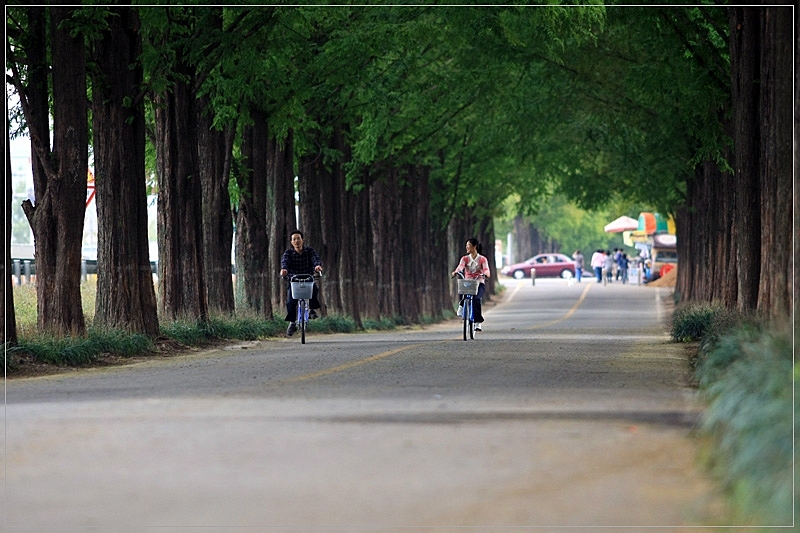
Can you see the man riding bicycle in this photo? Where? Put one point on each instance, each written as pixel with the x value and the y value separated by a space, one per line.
pixel 299 259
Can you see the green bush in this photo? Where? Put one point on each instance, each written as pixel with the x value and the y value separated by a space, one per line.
pixel 696 322
pixel 747 380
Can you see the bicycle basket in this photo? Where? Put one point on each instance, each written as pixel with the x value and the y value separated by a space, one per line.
pixel 301 290
pixel 468 286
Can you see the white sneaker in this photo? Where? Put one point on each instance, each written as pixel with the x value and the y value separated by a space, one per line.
pixel 460 310
pixel 478 327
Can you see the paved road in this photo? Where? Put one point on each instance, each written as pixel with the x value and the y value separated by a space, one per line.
pixel 571 409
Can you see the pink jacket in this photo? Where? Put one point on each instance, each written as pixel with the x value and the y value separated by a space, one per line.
pixel 473 268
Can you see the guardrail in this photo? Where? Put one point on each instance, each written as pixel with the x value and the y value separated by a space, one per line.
pixel 24 270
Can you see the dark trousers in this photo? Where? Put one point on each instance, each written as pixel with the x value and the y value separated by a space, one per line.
pixel 291 303
pixel 476 303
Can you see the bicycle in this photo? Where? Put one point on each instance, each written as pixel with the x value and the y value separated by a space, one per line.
pixel 302 288
pixel 468 289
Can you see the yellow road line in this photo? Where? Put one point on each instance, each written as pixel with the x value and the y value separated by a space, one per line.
pixel 346 366
pixel 569 313
pixel 377 357
pixel 516 290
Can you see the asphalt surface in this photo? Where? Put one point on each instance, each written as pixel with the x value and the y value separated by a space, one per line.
pixel 571 409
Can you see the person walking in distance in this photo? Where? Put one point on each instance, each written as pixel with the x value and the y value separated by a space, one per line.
pixel 608 265
pixel 622 267
pixel 578 258
pixel 617 255
pixel 299 259
pixel 598 258
pixel 474 265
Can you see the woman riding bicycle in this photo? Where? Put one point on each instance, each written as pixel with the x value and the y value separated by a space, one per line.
pixel 474 266
pixel 299 259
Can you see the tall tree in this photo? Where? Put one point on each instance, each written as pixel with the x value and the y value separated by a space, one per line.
pixel 795 273
pixel 252 239
pixel 774 297
pixel 59 174
pixel 215 154
pixel 7 311
pixel 215 138
pixel 281 219
pixel 181 270
pixel 745 29
pixel 125 295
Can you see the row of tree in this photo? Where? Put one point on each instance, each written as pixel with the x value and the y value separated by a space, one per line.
pixel 395 131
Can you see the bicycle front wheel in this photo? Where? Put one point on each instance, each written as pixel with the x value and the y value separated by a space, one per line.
pixel 468 319
pixel 302 318
pixel 465 316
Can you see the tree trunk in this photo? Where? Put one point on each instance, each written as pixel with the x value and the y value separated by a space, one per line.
pixel 359 269
pixel 253 274
pixel 729 270
pixel 485 235
pixel 125 297
pixel 57 217
pixel 460 228
pixel 215 152
pixel 36 95
pixel 386 207
pixel 318 206
pixel 345 237
pixel 704 227
pixel 281 218
pixel 7 311
pixel 529 241
pixel 795 274
pixel 430 270
pixel 469 224
pixel 745 28
pixel 402 238
pixel 181 272
pixel 776 162
pixel 312 202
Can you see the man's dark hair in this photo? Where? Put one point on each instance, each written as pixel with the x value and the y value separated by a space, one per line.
pixel 298 232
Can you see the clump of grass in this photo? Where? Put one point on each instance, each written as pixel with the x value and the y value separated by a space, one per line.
pixel 120 342
pixel 79 351
pixel 746 378
pixel 25 305
pixel 242 327
pixel 25 309
pixel 694 322
pixel 186 332
pixel 332 324
pixel 381 324
pixel 427 320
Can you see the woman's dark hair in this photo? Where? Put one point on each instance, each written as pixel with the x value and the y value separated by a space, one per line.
pixel 476 243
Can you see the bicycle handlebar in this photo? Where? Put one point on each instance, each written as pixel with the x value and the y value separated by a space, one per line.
pixel 302 277
pixel 460 274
